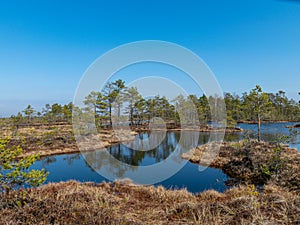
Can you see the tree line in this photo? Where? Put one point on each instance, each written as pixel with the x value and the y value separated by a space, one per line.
pixel 118 100
pixel 49 114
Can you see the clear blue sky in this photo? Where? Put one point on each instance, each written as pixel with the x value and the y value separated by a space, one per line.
pixel 45 46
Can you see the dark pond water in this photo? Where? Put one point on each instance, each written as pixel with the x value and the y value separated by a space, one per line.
pixel 74 166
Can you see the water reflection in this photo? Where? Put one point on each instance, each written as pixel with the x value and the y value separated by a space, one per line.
pixel 137 158
pixel 146 167
pixel 73 166
pixel 71 158
pixel 121 152
pixel 48 160
pixel 185 140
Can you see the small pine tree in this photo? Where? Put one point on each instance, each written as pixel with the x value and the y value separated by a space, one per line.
pixel 259 104
pixel 14 170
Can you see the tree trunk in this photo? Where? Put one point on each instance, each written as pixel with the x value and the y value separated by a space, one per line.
pixel 258 127
pixel 110 119
pixel 119 109
pixel 131 116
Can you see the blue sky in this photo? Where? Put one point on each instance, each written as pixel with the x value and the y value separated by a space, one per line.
pixel 45 46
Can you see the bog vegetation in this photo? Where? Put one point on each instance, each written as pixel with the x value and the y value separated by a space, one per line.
pixel 125 203
pixel 14 171
pixel 255 106
pixel 273 165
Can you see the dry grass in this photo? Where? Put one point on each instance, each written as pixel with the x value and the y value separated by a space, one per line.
pixel 254 162
pixel 126 203
pixel 53 139
pixel 57 139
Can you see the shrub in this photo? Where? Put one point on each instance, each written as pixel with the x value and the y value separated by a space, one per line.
pixel 14 170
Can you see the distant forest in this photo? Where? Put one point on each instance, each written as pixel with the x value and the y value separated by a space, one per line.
pixel 127 101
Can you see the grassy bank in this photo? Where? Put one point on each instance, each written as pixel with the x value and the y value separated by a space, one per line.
pixel 59 139
pixel 253 162
pixel 249 162
pixel 126 203
pixel 47 139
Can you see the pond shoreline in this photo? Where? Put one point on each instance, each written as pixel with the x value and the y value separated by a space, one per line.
pixel 266 121
pixel 251 161
pixel 59 139
pixel 122 201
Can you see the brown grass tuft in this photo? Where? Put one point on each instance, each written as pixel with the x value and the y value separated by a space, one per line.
pixel 126 203
pixel 253 162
